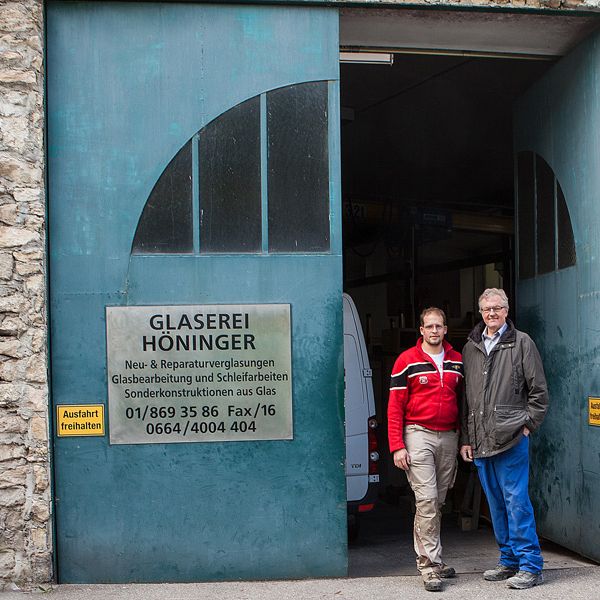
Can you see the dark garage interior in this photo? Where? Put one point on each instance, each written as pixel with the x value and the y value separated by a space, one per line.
pixel 428 193
pixel 428 181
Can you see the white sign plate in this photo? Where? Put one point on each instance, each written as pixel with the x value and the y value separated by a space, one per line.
pixel 203 373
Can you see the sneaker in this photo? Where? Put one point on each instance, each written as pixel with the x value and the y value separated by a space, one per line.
pixel 498 573
pixel 447 572
pixel 524 580
pixel 432 582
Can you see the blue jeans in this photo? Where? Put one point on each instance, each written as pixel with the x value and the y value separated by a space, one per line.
pixel 505 481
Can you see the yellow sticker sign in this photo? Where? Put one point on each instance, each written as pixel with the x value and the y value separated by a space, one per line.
pixel 79 419
pixel 594 411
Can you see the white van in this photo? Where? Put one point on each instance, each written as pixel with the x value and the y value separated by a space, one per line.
pixel 362 475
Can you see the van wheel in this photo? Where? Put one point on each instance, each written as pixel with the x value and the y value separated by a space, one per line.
pixel 353 528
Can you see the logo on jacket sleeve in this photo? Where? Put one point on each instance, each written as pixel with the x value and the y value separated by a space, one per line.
pixel 423 379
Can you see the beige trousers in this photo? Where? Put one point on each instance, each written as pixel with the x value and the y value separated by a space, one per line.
pixel 433 461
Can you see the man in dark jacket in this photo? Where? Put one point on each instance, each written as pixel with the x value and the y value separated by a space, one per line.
pixel 505 400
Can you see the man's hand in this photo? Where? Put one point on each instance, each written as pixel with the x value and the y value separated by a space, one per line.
pixel 526 432
pixel 402 459
pixel 466 453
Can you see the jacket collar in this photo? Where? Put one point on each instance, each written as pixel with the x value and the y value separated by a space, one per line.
pixel 446 345
pixel 509 334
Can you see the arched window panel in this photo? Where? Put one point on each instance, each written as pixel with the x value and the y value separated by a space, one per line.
pixel 567 256
pixel 526 214
pixel 223 175
pixel 546 238
pixel 230 189
pixel 298 168
pixel 545 229
pixel 166 222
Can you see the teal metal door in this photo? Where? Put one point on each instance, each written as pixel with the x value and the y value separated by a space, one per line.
pixel 193 160
pixel 557 127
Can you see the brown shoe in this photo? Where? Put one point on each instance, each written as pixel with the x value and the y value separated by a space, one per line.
pixel 432 582
pixel 447 572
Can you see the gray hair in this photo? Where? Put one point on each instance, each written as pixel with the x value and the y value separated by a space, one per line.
pixel 494 292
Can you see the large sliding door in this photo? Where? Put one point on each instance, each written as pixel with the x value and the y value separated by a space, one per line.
pixel 193 164
pixel 557 133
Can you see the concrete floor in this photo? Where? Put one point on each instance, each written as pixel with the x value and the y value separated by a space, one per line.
pixel 385 548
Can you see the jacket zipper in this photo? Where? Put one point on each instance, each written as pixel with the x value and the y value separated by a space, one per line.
pixel 441 374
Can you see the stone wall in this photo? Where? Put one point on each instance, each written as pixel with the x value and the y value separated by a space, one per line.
pixel 25 524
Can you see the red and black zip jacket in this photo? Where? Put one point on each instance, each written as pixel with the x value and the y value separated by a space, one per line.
pixel 419 396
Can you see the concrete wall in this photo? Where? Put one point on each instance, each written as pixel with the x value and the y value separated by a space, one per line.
pixel 25 499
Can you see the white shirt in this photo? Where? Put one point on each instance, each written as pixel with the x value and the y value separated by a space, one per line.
pixel 489 341
pixel 438 359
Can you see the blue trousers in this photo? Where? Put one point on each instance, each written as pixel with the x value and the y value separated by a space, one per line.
pixel 505 481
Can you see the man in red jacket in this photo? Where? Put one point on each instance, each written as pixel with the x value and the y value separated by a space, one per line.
pixel 423 434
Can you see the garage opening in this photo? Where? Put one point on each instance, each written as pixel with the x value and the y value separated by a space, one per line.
pixel 428 185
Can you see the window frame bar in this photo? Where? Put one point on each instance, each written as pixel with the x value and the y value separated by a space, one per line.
pixel 264 170
pixel 196 193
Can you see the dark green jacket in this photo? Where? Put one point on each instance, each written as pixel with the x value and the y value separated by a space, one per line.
pixel 504 391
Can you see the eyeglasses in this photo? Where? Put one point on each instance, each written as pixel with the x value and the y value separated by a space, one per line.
pixel 489 309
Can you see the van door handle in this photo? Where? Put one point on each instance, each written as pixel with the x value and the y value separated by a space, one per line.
pixel 367 372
